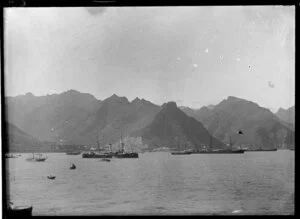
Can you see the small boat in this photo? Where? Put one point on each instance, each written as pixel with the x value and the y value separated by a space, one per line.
pixel 51 177
pixel 105 159
pixel 40 158
pixel 11 156
pixel 72 167
pixel 73 153
pixel 18 211
pixel 180 152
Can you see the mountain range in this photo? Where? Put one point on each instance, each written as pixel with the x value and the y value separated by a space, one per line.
pixel 73 117
pixel 77 118
pixel 260 127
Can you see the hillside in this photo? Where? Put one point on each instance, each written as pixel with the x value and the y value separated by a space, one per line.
pixel 16 140
pixel 172 128
pixel 260 126
pixel 76 118
pixel 117 116
pixel 287 115
pixel 52 117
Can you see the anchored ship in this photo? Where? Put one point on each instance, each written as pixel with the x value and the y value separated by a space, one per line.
pixel 38 158
pixel 219 151
pixel 122 154
pixel 98 154
pixel 181 152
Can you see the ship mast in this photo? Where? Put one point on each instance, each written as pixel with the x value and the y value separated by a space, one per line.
pixel 122 145
pixel 98 141
pixel 210 143
pixel 98 145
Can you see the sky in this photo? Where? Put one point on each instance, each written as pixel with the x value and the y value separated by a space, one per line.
pixel 195 56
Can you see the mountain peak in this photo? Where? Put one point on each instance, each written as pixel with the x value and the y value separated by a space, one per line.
pixel 116 99
pixel 136 100
pixel 29 94
pixel 280 110
pixel 232 98
pixel 72 91
pixel 170 104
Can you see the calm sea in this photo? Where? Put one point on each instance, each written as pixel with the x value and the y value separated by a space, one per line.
pixel 156 183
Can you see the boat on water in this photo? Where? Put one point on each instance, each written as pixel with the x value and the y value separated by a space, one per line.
pixel 122 154
pixel 38 158
pixel 11 156
pixel 260 149
pixel 18 211
pixel 127 155
pixel 181 152
pixel 73 153
pixel 72 166
pixel 99 154
pixel 105 159
pixel 51 177
pixel 92 154
pixel 219 151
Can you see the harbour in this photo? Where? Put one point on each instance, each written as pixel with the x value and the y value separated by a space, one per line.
pixel 254 183
pixel 149 110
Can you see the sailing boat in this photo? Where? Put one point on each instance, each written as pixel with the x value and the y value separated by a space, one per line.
pixel 123 154
pixel 39 158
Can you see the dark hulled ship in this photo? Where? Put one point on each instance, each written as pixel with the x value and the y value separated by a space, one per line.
pixel 122 154
pixel 99 154
pixel 219 151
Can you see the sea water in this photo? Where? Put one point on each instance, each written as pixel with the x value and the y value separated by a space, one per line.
pixel 156 183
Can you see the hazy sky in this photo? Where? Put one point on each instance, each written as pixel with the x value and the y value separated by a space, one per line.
pixel 192 55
